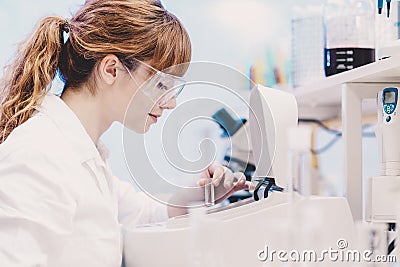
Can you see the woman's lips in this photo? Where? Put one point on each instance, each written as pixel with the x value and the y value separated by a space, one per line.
pixel 153 117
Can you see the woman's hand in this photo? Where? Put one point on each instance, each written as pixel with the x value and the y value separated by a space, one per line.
pixel 225 184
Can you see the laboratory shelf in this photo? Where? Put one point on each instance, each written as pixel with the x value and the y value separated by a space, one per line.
pixel 327 91
pixel 345 94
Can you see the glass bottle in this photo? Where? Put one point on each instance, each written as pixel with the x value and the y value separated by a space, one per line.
pixel 349 34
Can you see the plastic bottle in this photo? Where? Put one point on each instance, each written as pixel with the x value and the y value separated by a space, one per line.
pixel 299 160
pixel 349 34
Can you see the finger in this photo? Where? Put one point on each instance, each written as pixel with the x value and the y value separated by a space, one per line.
pixel 218 175
pixel 241 181
pixel 239 177
pixel 247 185
pixel 214 167
pixel 242 186
pixel 236 188
pixel 204 181
pixel 229 178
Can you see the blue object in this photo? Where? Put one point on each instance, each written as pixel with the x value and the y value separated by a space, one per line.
pixel 228 124
pixel 389 100
pixel 380 5
pixel 388 118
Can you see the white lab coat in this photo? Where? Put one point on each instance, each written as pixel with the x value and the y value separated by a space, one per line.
pixel 59 203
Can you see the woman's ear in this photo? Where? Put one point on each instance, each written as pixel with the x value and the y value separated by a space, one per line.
pixel 107 69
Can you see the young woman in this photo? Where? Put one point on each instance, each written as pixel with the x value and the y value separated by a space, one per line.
pixel 59 203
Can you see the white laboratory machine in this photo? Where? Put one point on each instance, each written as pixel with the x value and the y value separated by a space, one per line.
pixel 383 192
pixel 244 233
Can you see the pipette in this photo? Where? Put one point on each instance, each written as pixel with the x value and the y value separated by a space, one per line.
pixel 380 5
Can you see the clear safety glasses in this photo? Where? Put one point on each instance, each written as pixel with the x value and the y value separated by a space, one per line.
pixel 161 87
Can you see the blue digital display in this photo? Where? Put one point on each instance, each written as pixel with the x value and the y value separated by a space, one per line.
pixel 389 99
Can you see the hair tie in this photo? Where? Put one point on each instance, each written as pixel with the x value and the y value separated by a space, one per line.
pixel 66 26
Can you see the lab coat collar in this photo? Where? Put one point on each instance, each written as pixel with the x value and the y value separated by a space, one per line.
pixel 71 127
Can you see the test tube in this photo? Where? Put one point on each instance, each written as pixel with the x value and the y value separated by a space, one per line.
pixel 209 196
pixel 208 152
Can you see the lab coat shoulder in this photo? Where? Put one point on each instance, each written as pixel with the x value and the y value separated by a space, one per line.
pixel 33 190
pixel 37 145
pixel 36 210
pixel 37 135
pixel 31 170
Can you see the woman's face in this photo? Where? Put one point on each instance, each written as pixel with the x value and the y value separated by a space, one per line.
pixel 143 99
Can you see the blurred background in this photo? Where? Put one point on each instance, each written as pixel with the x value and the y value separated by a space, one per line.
pixel 268 41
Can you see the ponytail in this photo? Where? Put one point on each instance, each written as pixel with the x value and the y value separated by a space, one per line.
pixel 27 79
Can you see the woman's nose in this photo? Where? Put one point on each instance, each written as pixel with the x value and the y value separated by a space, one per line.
pixel 169 104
